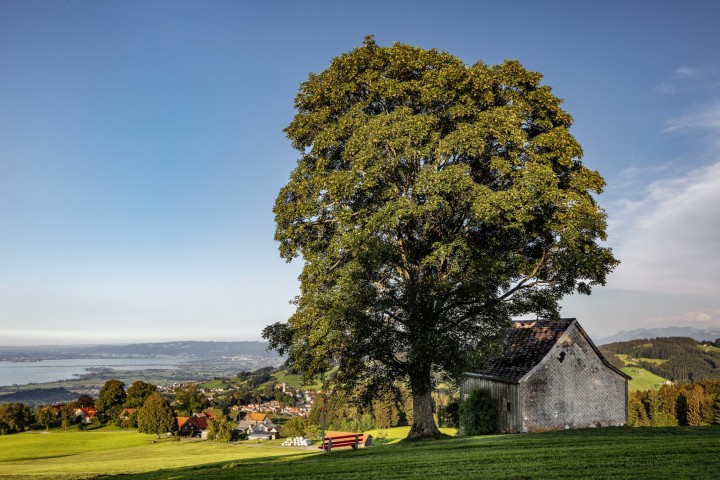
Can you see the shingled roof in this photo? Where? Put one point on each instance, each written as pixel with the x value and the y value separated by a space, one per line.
pixel 527 344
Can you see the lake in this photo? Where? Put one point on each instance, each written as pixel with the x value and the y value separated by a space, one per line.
pixel 23 373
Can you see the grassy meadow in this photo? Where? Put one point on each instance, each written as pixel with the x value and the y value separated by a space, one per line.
pixel 641 379
pixel 618 453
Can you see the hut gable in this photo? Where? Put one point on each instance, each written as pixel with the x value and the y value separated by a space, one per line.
pixel 551 375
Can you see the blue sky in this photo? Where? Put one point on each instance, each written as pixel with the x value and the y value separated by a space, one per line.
pixel 141 150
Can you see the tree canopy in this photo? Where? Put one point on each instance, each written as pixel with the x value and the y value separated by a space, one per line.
pixel 189 400
pixel 138 392
pixel 432 202
pixel 111 398
pixel 156 416
pixel 15 417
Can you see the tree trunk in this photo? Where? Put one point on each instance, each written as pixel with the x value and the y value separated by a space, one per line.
pixel 423 422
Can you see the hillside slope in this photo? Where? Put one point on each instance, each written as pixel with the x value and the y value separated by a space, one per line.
pixel 618 453
pixel 678 359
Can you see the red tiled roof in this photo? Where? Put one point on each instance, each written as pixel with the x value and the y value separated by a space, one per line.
pixel 256 416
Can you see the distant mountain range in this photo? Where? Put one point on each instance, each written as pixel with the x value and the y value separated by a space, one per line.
pixel 189 349
pixel 640 333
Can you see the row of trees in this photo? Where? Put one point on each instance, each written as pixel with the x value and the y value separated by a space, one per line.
pixel 686 404
pixel 153 412
pixel 367 410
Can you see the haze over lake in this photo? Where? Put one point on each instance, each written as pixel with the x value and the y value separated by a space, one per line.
pixel 23 373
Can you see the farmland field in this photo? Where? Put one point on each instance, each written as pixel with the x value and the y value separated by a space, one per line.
pixel 604 453
pixel 641 379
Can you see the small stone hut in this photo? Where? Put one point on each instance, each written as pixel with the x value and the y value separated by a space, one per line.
pixel 550 375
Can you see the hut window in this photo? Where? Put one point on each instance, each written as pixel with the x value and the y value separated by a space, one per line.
pixel 561 357
pixel 508 406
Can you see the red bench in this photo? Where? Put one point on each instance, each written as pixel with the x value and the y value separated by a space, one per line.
pixel 337 441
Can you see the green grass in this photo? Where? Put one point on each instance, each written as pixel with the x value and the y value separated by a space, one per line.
pixel 709 348
pixel 216 383
pixel 397 434
pixel 626 359
pixel 83 455
pixel 294 381
pixel 56 443
pixel 612 453
pixel 656 361
pixel 642 379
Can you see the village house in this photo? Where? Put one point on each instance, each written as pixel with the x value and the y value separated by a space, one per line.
pixel 256 425
pixel 126 412
pixel 85 414
pixel 550 375
pixel 195 426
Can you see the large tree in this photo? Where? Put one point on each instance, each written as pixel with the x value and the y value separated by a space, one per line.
pixel 432 202
pixel 15 417
pixel 137 393
pixel 189 400
pixel 156 416
pixel 111 399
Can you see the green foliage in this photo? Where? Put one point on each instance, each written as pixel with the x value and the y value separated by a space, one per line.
pixel 684 359
pixel 450 415
pixel 189 400
pixel 156 416
pixel 637 415
pixel 138 392
pixel 46 416
pixel 313 431
pixel 678 404
pixel 431 203
pixel 15 417
pixel 219 429
pixel 477 414
pixel 385 409
pixel 111 399
pixel 295 427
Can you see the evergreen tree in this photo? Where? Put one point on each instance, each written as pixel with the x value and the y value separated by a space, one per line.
pixel 637 415
pixel 694 406
pixel 385 410
pixel 715 419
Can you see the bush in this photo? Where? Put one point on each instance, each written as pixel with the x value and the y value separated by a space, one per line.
pixel 295 427
pixel 478 414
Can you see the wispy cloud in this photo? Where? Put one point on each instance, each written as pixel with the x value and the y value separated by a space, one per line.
pixel 668 240
pixel 689 72
pixel 689 79
pixel 706 118
pixel 709 319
